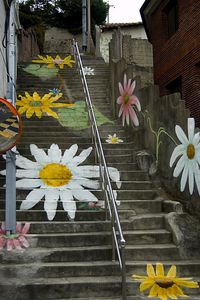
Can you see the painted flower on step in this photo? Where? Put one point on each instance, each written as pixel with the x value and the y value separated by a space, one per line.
pixel 57 61
pixel 58 177
pixel 38 105
pixel 16 240
pixel 129 102
pixel 164 286
pixel 113 139
pixel 188 155
pixel 54 91
pixel 88 71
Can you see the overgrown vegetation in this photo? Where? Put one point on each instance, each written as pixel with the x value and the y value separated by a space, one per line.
pixel 60 13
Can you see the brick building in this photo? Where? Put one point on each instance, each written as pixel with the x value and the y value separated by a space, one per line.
pixel 173 28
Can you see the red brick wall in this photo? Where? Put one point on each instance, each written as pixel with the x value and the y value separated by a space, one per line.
pixel 179 55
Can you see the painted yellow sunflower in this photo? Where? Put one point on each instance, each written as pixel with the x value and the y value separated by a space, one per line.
pixel 57 61
pixel 164 286
pixel 39 105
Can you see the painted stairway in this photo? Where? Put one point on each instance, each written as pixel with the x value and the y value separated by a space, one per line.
pixel 72 259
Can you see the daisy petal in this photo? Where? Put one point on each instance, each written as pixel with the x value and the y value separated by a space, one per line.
pixel 81 157
pixel 184 176
pixel 191 126
pixel 179 167
pixel 54 153
pixel 27 173
pixel 68 202
pixel 40 156
pixel 69 154
pixel 27 183
pixel 32 199
pixel 178 150
pixel 191 177
pixel 51 202
pixel 181 135
pixel 84 195
pixel 115 176
pixel 25 163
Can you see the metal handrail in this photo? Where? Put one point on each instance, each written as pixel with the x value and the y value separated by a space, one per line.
pixel 118 241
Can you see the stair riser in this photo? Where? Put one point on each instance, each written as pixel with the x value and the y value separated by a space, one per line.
pixel 29 216
pixel 140 207
pixel 78 241
pixel 41 292
pixel 55 271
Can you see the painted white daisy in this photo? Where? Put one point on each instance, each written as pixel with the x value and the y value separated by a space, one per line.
pixel 58 177
pixel 189 161
pixel 88 71
pixel 113 139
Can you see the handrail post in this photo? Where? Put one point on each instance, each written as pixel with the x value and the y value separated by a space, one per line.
pixel 124 291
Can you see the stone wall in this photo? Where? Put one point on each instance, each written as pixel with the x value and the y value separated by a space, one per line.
pixel 27 45
pixel 3 81
pixel 105 36
pixel 167 112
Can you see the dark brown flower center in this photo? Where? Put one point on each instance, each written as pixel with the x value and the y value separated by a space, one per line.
pixel 164 284
pixel 190 151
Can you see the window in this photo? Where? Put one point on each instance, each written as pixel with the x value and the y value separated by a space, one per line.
pixel 175 86
pixel 171 16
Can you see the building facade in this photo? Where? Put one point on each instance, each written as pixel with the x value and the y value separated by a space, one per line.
pixel 173 28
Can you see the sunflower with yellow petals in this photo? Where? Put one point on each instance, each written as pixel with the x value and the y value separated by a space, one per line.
pixel 39 105
pixel 57 61
pixel 162 286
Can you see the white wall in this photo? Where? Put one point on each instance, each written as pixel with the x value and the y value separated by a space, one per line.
pixel 137 32
pixel 3 73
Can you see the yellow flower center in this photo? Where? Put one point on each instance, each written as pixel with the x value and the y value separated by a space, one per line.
pixel 55 175
pixel 126 99
pixel 190 151
pixel 35 103
pixel 164 283
pixel 114 140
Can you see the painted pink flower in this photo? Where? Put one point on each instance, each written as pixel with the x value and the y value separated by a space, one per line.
pixel 128 102
pixel 16 240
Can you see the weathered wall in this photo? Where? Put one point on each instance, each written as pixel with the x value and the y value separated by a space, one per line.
pixel 27 45
pixel 179 55
pixel 3 81
pixel 137 52
pixel 166 112
pixel 137 32
pixel 59 40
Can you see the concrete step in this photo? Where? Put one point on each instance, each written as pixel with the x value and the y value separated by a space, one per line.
pixel 58 288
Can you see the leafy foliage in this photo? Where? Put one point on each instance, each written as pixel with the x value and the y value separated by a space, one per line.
pixel 61 13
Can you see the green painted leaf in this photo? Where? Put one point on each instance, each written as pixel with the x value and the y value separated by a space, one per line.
pixel 41 71
pixel 77 118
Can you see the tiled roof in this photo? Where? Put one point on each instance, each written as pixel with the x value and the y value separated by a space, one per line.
pixel 108 26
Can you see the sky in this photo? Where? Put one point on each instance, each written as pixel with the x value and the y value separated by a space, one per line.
pixel 124 11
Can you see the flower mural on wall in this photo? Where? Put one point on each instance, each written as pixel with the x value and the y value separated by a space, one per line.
pixel 113 139
pixel 187 155
pixel 57 61
pixel 164 286
pixel 58 177
pixel 38 105
pixel 88 71
pixel 16 240
pixel 129 102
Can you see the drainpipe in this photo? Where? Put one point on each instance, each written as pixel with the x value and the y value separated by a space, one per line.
pixel 84 25
pixel 10 217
